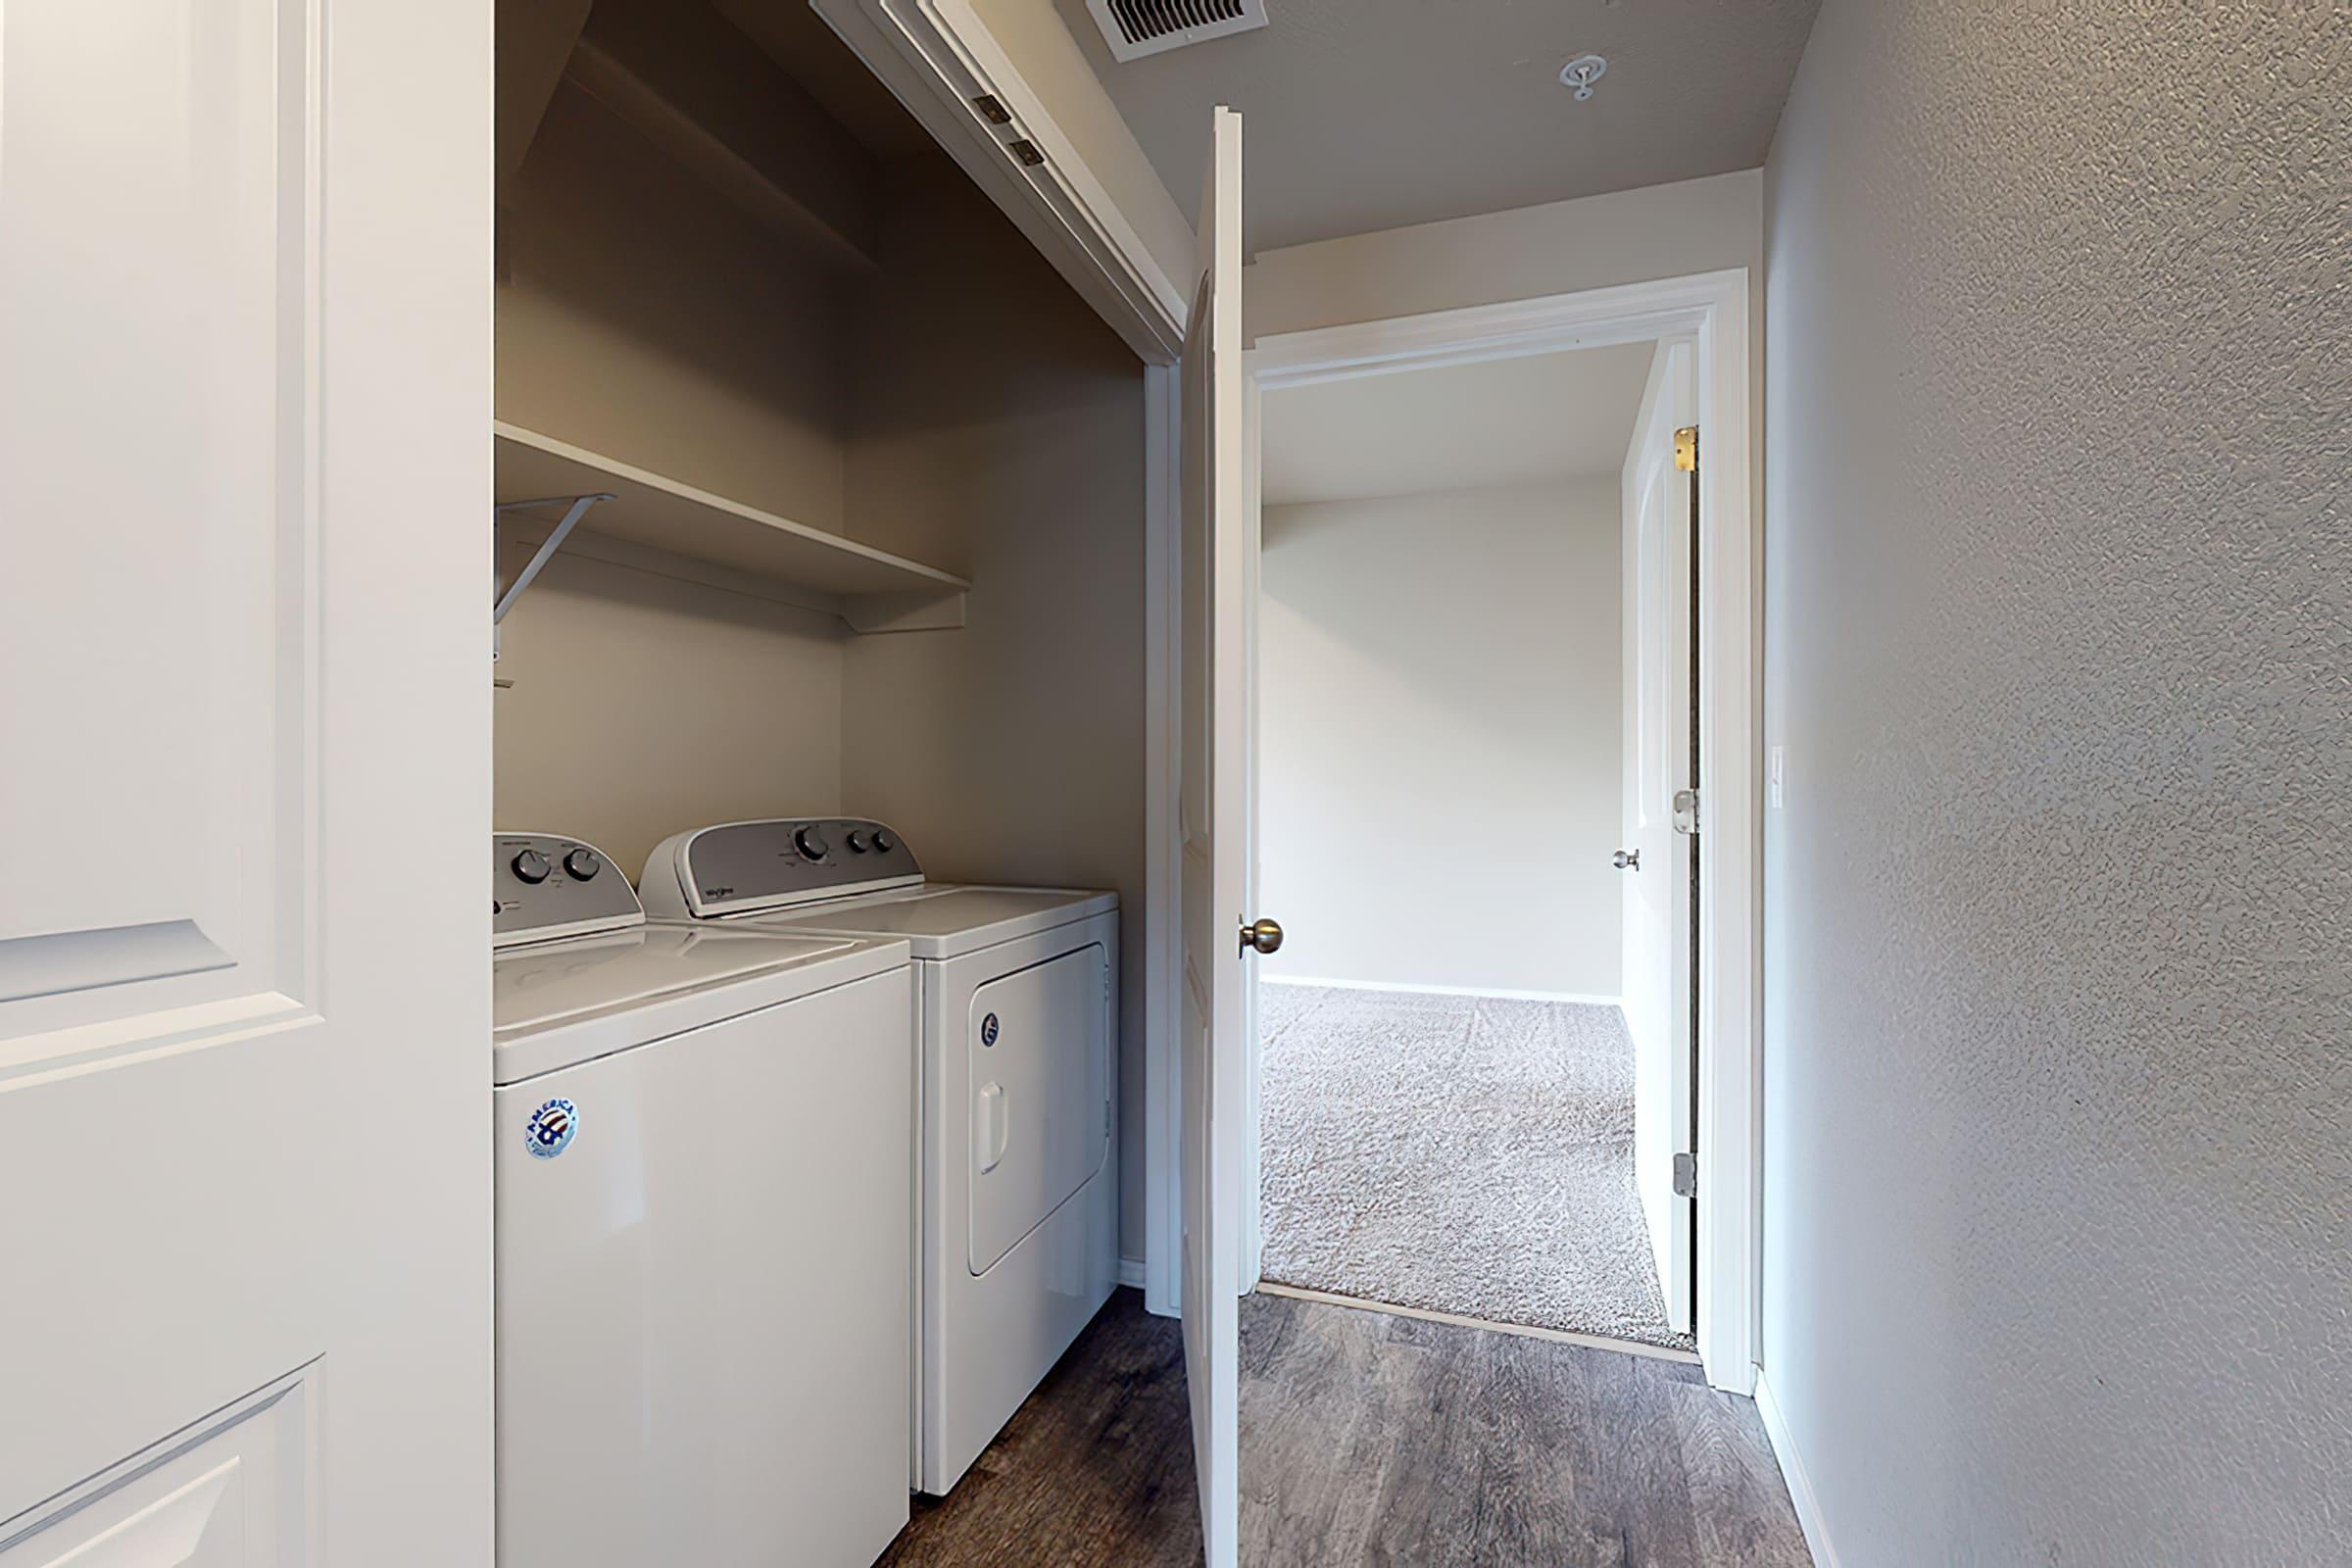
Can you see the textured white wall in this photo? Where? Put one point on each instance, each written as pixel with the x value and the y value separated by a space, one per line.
pixel 1440 735
pixel 2059 1048
pixel 1633 236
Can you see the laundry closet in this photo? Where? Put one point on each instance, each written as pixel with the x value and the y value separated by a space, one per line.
pixel 728 259
pixel 855 483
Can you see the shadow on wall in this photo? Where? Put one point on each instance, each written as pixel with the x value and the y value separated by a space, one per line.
pixel 997 430
pixel 645 316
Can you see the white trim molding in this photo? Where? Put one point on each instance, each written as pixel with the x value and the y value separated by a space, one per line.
pixel 943 62
pixel 1581 999
pixel 1625 313
pixel 1709 310
pixel 1792 1471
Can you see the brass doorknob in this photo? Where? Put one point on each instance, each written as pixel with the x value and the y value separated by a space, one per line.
pixel 1264 936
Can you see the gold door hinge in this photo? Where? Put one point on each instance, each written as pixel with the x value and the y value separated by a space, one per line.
pixel 1685 449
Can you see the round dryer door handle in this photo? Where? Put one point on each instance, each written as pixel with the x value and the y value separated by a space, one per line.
pixel 1261 936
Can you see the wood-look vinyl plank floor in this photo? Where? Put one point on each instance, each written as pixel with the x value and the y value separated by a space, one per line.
pixel 1372 1440
pixel 1094 1471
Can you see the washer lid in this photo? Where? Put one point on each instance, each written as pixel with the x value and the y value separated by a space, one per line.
pixel 945 922
pixel 559 1002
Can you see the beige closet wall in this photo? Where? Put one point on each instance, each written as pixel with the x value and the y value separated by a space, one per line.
pixel 641 315
pixel 642 705
pixel 644 317
pixel 1000 432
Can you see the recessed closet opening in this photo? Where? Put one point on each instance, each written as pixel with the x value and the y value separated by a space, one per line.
pixel 869 541
pixel 728 260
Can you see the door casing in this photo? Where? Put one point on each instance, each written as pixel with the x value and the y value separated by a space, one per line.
pixel 1711 310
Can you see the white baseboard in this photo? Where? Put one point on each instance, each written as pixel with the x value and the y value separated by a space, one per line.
pixel 1585 998
pixel 1130 1272
pixel 1792 1471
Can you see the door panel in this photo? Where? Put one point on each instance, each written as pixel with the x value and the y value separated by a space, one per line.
pixel 158 541
pixel 1658 897
pixel 1212 807
pixel 239 1494
pixel 243 968
pixel 156 942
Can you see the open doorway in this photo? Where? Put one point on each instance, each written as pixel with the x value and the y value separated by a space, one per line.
pixel 1448 646
pixel 1709 316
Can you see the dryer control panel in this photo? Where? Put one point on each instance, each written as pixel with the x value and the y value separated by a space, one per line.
pixel 542 886
pixel 742 868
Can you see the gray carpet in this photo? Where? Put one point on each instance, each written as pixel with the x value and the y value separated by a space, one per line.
pixel 1463 1155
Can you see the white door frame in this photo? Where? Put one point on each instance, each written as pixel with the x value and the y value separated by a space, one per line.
pixel 1712 309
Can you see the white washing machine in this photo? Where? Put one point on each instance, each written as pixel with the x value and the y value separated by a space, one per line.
pixel 1017 1004
pixel 702 1200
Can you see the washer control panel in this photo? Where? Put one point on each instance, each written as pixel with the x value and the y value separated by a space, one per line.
pixel 743 867
pixel 543 885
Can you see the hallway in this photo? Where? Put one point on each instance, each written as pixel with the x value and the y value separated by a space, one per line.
pixel 1367 1439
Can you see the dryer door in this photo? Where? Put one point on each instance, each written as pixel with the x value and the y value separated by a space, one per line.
pixel 1038 1042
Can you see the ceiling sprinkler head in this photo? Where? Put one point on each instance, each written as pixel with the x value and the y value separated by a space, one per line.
pixel 1582 72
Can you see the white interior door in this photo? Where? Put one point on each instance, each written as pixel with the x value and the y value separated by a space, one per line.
pixel 1212 806
pixel 1660 757
pixel 245 267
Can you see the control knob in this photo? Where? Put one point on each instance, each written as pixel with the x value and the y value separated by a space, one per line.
pixel 811 843
pixel 857 842
pixel 532 866
pixel 883 840
pixel 582 864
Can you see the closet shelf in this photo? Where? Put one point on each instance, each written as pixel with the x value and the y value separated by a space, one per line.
pixel 870 589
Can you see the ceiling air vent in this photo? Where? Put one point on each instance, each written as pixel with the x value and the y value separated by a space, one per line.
pixel 1137 27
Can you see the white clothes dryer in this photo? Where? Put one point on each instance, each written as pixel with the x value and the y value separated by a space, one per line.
pixel 701 1199
pixel 1017 997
